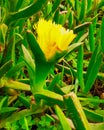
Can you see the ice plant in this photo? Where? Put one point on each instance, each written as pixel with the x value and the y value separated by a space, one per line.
pixel 50 44
pixel 52 38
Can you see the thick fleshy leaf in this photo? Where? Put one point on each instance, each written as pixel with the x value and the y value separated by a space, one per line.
pixel 102 34
pixel 3 31
pixel 16 85
pixel 25 12
pixel 15 69
pixel 97 126
pixel 91 38
pixel 42 66
pixel 8 109
pixel 35 48
pixel 28 59
pixel 81 27
pixel 24 101
pixel 83 9
pixel 80 67
pixel 93 116
pixel 93 69
pixel 55 5
pixel 63 120
pixel 18 115
pixel 3 102
pixel 76 112
pixel 50 98
pixel 5 68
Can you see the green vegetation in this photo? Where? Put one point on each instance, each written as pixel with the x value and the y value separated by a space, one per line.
pixel 65 92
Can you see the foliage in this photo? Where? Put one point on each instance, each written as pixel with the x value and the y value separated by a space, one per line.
pixel 65 92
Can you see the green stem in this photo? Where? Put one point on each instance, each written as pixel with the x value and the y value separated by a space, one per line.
pixel 42 70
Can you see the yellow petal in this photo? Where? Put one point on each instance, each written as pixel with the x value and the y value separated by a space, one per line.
pixel 52 38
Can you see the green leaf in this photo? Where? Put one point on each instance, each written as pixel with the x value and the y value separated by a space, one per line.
pixel 93 100
pixel 81 27
pixel 93 116
pixel 3 31
pixel 35 48
pixel 12 72
pixel 49 8
pixel 70 3
pixel 42 66
pixel 16 85
pixel 102 34
pixel 76 112
pixel 12 5
pixel 101 4
pixel 93 69
pixel 70 19
pixel 55 5
pixel 29 60
pixel 77 5
pixel 94 22
pixel 3 102
pixel 91 38
pixel 18 5
pixel 58 90
pixel 9 52
pixel 25 12
pixel 7 109
pixel 62 19
pixel 97 126
pixel 5 68
pixel 54 82
pixel 83 10
pixel 89 5
pixel 51 98
pixel 24 101
pixel 67 70
pixel 80 67
pixel 63 120
pixel 18 115
pixel 26 124
pixel 92 61
pixel 73 46
pixel 56 16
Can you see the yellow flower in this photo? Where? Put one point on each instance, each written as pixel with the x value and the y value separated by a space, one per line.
pixel 52 38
